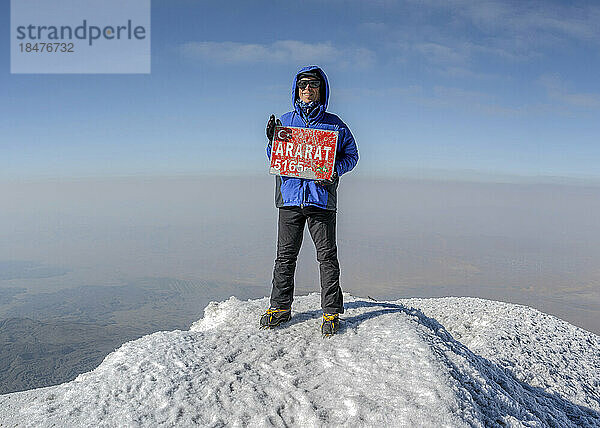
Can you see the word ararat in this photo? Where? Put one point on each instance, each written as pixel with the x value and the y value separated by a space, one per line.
pixel 304 151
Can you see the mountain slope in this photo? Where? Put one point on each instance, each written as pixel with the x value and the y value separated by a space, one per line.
pixel 394 363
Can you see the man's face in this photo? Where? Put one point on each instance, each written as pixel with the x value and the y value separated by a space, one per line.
pixel 308 94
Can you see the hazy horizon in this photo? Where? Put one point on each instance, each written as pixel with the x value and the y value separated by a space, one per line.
pixel 528 243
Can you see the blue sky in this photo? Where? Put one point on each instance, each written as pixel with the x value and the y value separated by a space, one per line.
pixel 492 87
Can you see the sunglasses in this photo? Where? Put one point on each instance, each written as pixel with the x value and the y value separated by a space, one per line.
pixel 302 84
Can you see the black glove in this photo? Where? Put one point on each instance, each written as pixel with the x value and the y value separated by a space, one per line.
pixel 333 179
pixel 271 124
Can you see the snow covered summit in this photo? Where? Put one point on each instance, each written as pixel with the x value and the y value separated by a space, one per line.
pixel 450 362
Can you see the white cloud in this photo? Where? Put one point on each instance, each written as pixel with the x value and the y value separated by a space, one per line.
pixel 282 51
pixel 439 53
pixel 556 90
pixel 452 58
pixel 463 72
pixel 522 19
pixel 514 31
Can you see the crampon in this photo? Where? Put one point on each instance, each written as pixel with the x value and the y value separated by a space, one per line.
pixel 330 325
pixel 274 317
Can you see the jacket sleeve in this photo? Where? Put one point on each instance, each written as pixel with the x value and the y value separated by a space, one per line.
pixel 347 156
pixel 269 150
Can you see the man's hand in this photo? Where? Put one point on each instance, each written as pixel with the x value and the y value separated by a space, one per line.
pixel 271 124
pixel 333 179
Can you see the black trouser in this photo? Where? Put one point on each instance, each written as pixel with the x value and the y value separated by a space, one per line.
pixel 321 225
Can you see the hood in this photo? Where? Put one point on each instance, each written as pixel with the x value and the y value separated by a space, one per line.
pixel 324 93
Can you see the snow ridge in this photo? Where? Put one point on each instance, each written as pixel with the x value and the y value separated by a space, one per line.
pixel 452 362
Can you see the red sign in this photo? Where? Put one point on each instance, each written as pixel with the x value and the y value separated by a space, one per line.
pixel 303 152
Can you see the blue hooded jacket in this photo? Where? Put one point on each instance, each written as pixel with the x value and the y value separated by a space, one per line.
pixel 291 191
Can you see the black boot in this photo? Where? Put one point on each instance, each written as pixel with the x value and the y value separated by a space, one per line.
pixel 331 324
pixel 273 317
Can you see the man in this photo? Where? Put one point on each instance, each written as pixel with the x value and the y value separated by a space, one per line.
pixel 302 201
